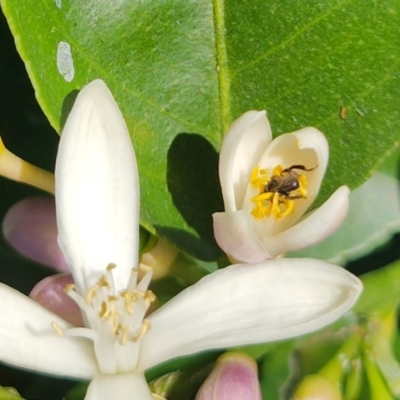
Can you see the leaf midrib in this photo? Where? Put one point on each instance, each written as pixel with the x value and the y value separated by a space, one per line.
pixel 222 66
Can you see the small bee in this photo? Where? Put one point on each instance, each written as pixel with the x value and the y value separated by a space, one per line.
pixel 287 182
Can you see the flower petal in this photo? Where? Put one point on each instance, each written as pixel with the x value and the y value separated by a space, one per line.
pixel 245 304
pixel 97 189
pixel 119 387
pixel 241 149
pixel 314 228
pixel 307 147
pixel 235 235
pixel 28 341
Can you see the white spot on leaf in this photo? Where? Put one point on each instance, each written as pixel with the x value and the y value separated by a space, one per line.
pixel 65 63
pixel 58 3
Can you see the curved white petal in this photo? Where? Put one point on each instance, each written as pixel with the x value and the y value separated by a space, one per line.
pixel 314 228
pixel 97 189
pixel 235 235
pixel 28 341
pixel 130 386
pixel 307 147
pixel 244 304
pixel 241 149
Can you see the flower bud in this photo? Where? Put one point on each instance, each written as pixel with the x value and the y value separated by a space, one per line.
pixel 234 377
pixel 30 227
pixel 50 294
pixel 160 258
pixel 316 387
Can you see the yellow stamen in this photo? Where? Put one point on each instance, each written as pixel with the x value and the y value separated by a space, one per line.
pixel 91 293
pixel 149 297
pixel 273 199
pixel 145 327
pixel 262 196
pixel 276 211
pixel 110 267
pixel 16 169
pixel 57 328
pixel 125 335
pixel 69 287
pixel 289 208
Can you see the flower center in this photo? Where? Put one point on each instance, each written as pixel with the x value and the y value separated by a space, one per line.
pixel 114 321
pixel 278 192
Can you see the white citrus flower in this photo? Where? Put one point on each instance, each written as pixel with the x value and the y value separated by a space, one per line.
pixel 267 185
pixel 97 198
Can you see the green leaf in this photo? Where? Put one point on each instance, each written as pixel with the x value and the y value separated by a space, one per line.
pixel 381 290
pixel 374 216
pixel 193 67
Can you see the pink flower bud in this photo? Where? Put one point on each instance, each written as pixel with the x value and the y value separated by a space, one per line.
pixel 50 294
pixel 234 377
pixel 30 227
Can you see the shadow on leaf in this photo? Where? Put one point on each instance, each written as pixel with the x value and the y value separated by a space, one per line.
pixel 192 179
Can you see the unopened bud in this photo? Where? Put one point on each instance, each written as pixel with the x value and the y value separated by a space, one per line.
pixel 30 227
pixel 160 258
pixel 50 294
pixel 234 377
pixel 316 387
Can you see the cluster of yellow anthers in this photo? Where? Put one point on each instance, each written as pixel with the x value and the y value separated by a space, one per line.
pixel 276 201
pixel 116 310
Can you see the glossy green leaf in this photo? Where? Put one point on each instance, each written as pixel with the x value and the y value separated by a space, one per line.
pixel 374 216
pixel 193 67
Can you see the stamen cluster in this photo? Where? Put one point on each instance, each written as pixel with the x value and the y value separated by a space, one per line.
pixel 114 319
pixel 274 202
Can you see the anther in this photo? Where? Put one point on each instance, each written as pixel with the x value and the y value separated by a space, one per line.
pixel 90 294
pixel 125 335
pixel 57 328
pixel 68 287
pixel 144 328
pixel 110 267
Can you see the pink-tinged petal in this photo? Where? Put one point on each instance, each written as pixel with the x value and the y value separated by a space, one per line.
pixel 27 339
pixel 307 147
pixel 50 293
pixel 314 228
pixel 243 304
pixel 30 227
pixel 97 190
pixel 242 147
pixel 235 235
pixel 130 386
pixel 234 377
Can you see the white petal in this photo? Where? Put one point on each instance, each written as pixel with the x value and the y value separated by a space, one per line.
pixel 235 235
pixel 314 228
pixel 241 149
pixel 245 304
pixel 131 386
pixel 28 341
pixel 307 147
pixel 97 189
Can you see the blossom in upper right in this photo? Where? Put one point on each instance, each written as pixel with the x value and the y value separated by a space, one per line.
pixel 267 185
